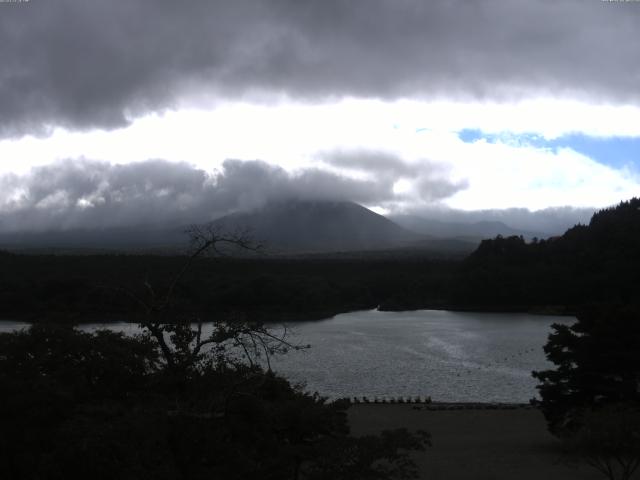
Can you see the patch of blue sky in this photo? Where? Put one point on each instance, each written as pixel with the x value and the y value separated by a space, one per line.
pixel 617 152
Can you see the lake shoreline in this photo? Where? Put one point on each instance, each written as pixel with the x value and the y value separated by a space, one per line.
pixel 549 310
pixel 284 316
pixel 437 405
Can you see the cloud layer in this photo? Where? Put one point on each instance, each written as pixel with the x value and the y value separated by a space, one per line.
pixel 89 194
pixel 545 222
pixel 95 64
pixel 93 194
pixel 422 181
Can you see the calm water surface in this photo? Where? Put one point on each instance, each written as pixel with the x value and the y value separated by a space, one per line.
pixel 450 356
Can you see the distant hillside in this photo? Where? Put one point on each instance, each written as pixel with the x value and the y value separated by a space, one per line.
pixel 287 227
pixel 307 226
pixel 599 262
pixel 472 231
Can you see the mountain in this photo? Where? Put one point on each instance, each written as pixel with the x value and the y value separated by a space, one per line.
pixel 285 227
pixel 282 227
pixel 475 231
pixel 314 226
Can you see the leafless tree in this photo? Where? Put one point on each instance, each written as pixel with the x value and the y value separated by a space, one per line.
pixel 183 341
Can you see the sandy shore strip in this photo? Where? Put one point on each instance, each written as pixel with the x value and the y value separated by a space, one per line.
pixel 476 443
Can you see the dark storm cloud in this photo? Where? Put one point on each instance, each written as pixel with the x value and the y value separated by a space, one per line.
pixel 91 194
pixel 245 185
pixel 88 63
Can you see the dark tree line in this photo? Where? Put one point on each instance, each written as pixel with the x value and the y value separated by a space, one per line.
pixel 595 263
pixel 85 287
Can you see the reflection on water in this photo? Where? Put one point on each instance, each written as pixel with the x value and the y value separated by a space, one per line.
pixel 450 356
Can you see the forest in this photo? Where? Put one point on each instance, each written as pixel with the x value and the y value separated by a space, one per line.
pixel 594 263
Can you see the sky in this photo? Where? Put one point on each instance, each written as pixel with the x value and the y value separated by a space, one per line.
pixel 155 111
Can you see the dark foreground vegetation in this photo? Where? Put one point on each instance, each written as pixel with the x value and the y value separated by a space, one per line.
pixel 105 406
pixel 172 403
pixel 591 399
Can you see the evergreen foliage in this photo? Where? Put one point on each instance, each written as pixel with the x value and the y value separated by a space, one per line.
pixel 597 363
pixel 597 263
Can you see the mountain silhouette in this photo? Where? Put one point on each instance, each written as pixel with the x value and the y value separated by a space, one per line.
pixel 284 227
pixel 474 231
pixel 315 226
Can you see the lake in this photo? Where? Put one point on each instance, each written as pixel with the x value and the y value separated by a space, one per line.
pixel 449 356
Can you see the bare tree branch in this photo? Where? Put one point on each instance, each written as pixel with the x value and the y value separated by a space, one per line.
pixel 183 344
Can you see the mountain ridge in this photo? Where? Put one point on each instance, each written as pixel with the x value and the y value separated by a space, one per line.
pixel 319 226
pixel 283 227
pixel 473 230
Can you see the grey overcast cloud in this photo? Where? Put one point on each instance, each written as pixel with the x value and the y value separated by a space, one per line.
pixel 117 112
